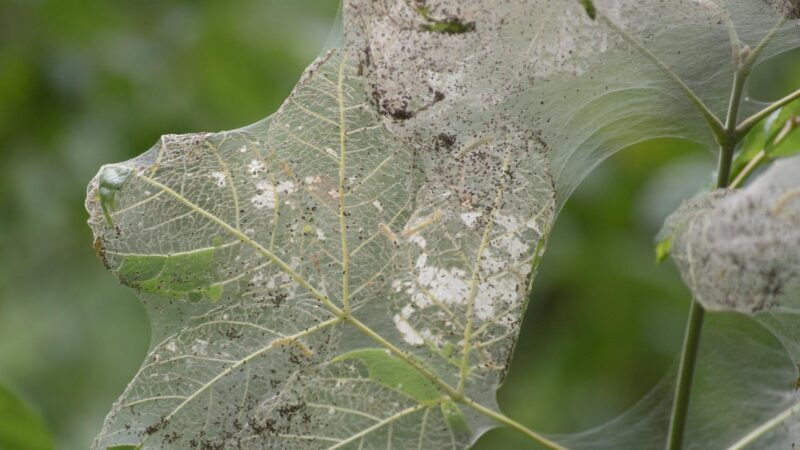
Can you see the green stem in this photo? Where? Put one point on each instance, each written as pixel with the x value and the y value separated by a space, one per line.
pixel 680 406
pixel 505 420
pixel 748 124
pixel 694 325
pixel 790 125
pixel 748 169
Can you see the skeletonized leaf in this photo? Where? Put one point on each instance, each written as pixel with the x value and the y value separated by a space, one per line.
pixel 248 246
pixel 336 275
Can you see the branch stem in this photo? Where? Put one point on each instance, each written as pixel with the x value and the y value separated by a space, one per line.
pixel 680 405
pixel 748 124
pixel 748 169
pixel 694 325
pixel 761 156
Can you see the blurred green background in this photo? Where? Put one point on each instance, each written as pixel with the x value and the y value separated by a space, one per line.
pixel 87 82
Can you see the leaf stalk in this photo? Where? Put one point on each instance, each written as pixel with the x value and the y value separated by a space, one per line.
pixel 750 122
pixel 680 405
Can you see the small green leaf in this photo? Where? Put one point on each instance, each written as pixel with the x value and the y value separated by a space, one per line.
pixel 450 25
pixel 775 136
pixel 20 427
pixel 399 376
pixel 180 275
pixel 455 417
pixel 663 249
pixel 588 5
pixel 395 374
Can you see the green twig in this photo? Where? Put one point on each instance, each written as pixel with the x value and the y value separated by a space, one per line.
pixel 751 121
pixel 694 327
pixel 748 169
pixel 680 406
pixel 762 156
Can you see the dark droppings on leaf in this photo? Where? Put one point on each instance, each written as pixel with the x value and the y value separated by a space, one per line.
pixel 445 141
pixel 267 428
pixel 398 111
pixel 232 333
pixel 173 437
pixel 289 410
pixel 277 299
pixel 401 114
pixel 151 429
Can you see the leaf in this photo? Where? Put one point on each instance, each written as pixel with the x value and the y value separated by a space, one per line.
pixel 449 25
pixel 247 248
pixel 774 138
pixel 588 5
pixel 784 140
pixel 395 374
pixel 20 427
pixel 663 249
pixel 398 201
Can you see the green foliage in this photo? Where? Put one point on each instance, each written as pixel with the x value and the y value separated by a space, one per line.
pixel 395 374
pixel 185 275
pixel 773 138
pixel 450 25
pixel 663 249
pixel 20 427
